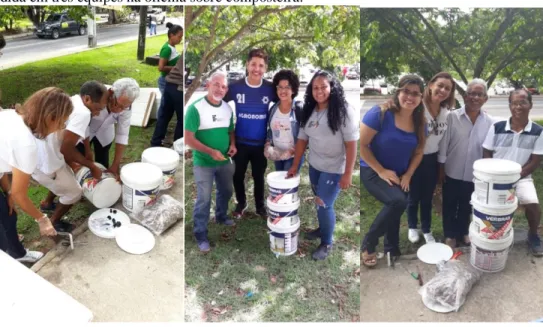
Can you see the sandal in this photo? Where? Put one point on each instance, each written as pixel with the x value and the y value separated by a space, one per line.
pixel 369 260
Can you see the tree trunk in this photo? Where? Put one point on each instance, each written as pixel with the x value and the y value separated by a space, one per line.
pixel 142 32
pixel 112 19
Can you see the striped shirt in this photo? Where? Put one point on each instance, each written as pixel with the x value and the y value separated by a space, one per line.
pixel 510 145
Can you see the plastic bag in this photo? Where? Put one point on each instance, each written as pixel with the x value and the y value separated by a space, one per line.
pixel 448 290
pixel 179 146
pixel 273 153
pixel 160 216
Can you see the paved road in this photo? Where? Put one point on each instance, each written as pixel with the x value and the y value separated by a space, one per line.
pixel 498 107
pixel 30 49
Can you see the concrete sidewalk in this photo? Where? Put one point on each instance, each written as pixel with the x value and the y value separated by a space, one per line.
pixel 513 295
pixel 120 287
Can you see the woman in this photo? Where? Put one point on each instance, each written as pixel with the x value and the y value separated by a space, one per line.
pixel 43 113
pixel 438 99
pixel 169 54
pixel 329 128
pixel 284 121
pixel 392 138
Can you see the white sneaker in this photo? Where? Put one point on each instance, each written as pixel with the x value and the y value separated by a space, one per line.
pixel 31 256
pixel 413 235
pixel 429 238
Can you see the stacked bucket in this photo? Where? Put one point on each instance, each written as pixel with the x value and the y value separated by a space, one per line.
pixel 494 204
pixel 283 220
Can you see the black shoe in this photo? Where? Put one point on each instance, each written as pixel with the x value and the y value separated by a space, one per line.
pixel 262 212
pixel 313 235
pixel 534 242
pixel 322 252
pixel 63 227
pixel 240 210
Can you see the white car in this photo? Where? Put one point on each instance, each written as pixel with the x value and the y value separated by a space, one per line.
pixel 159 15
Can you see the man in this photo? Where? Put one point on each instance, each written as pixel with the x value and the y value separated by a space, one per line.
pixel 102 130
pixel 252 97
pixel 172 102
pixel 460 147
pixel 210 133
pixel 58 149
pixel 519 139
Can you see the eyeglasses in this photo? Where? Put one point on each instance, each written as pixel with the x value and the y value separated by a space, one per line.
pixel 476 94
pixel 414 94
pixel 284 88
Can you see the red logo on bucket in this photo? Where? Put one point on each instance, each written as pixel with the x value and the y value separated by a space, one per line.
pixel 498 234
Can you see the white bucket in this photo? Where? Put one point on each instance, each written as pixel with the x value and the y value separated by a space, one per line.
pixel 165 159
pixel 284 241
pixel 283 190
pixel 284 214
pixel 494 181
pixel 103 193
pixel 489 255
pixel 141 184
pixel 492 222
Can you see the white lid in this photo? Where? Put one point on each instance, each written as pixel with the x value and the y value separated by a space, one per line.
pixel 165 159
pixel 107 193
pixel 101 226
pixel 432 253
pixel 497 166
pixel 135 239
pixel 141 176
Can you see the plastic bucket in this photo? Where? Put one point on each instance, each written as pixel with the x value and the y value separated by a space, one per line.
pixel 494 181
pixel 492 222
pixel 284 241
pixel 284 214
pixel 489 255
pixel 282 190
pixel 165 159
pixel 141 184
pixel 103 193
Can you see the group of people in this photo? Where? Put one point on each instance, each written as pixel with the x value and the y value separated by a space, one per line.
pixel 270 124
pixel 416 141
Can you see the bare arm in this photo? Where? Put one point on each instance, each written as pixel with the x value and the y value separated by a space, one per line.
pixel 415 161
pixel 163 65
pixel 119 152
pixel 366 136
pixel 70 152
pixel 4 184
pixel 350 149
pixel 487 153
pixel 531 165
pixel 301 145
pixel 19 192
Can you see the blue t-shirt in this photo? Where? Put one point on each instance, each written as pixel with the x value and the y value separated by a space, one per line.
pixel 252 105
pixel 391 146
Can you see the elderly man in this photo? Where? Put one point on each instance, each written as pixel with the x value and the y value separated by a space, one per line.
pixel 209 130
pixel 460 147
pixel 519 139
pixel 60 148
pixel 102 129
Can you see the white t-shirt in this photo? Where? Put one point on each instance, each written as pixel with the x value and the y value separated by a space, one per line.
pixel 107 127
pixel 437 126
pixel 282 131
pixel 17 144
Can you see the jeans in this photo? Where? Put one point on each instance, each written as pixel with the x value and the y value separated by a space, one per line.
pixel 421 191
pixel 161 86
pixel 172 103
pixel 285 165
pixel 387 221
pixel 254 155
pixel 152 29
pixel 203 177
pixel 456 208
pixel 326 188
pixel 101 153
pixel 9 239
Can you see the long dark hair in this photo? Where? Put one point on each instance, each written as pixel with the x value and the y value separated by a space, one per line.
pixel 418 114
pixel 448 103
pixel 337 105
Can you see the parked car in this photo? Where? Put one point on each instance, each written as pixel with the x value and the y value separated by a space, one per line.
pixel 371 91
pixel 59 24
pixel 352 75
pixel 234 76
pixel 159 15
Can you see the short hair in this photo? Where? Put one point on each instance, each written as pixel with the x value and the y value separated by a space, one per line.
pixel 287 75
pixel 173 29
pixel 478 81
pixel 127 87
pixel 517 91
pixel 258 53
pixel 218 74
pixel 2 41
pixel 95 90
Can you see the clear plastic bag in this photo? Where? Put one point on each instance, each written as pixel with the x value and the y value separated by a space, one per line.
pixel 160 216
pixel 275 154
pixel 448 290
pixel 179 146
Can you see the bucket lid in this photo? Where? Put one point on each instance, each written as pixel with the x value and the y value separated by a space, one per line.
pixel 101 226
pixel 141 175
pixel 165 159
pixel 432 253
pixel 497 166
pixel 281 177
pixel 283 229
pixel 135 239
pixel 491 207
pixel 107 193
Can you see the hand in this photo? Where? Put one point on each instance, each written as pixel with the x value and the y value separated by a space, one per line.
pixel 232 151
pixel 346 181
pixel 405 180
pixel 217 155
pixel 291 151
pixel 293 171
pixel 46 228
pixel 89 156
pixel 11 205
pixel 96 172
pixel 115 170
pixel 389 176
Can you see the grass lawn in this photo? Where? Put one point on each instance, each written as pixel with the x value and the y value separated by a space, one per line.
pixel 69 73
pixel 369 207
pixel 294 288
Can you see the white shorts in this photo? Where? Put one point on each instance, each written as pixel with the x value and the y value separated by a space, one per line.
pixel 62 183
pixel 526 192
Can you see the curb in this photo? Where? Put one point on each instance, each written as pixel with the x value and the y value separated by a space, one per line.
pixel 18 36
pixel 98 27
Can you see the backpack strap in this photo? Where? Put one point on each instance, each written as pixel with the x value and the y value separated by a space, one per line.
pixel 382 116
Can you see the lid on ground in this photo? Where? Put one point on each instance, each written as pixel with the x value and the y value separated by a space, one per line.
pixel 432 253
pixel 106 222
pixel 497 166
pixel 135 239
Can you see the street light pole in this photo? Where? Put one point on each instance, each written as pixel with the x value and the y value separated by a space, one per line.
pixel 91 27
